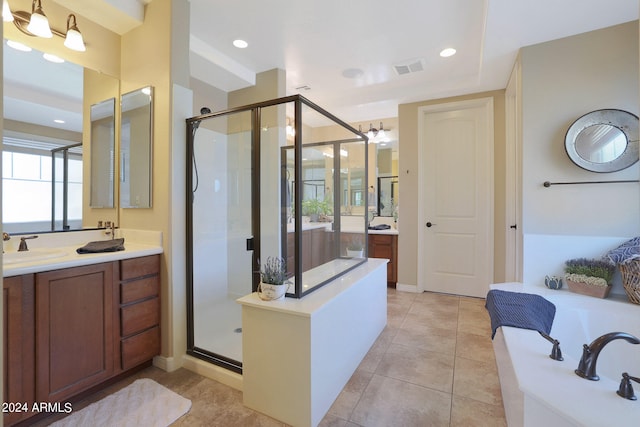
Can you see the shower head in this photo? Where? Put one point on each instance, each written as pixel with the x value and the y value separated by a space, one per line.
pixel 203 110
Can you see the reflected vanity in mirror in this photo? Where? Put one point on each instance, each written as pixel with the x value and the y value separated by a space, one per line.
pixel 103 142
pixel 603 140
pixel 136 145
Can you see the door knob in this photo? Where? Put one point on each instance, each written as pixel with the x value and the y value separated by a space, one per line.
pixel 430 224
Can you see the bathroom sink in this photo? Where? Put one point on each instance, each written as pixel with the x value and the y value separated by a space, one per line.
pixel 32 255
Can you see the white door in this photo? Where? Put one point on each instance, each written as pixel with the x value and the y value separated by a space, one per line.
pixel 456 236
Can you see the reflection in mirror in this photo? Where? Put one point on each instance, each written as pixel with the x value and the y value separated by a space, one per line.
pixel 41 114
pixel 603 140
pixel 601 143
pixel 136 148
pixel 102 147
pixel 67 187
pixel 388 192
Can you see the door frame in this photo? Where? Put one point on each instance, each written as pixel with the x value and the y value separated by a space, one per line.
pixel 487 104
pixel 513 177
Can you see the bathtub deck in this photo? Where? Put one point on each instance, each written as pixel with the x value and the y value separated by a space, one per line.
pixel 540 391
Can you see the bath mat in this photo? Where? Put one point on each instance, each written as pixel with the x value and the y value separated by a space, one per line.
pixel 142 403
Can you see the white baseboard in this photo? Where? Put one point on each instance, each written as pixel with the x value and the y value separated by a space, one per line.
pixel 168 364
pixel 212 371
pixel 407 288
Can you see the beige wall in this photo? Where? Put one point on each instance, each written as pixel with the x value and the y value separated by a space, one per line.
pixel 561 81
pixel 103 46
pixel 408 222
pixel 150 54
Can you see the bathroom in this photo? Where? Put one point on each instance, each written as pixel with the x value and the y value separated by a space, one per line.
pixel 546 221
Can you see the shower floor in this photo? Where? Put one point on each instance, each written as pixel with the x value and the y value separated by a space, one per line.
pixel 217 327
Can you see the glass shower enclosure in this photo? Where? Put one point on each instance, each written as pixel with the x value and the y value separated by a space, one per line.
pixel 281 178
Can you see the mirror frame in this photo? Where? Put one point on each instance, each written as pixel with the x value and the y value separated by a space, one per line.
pixel 143 181
pixel 625 121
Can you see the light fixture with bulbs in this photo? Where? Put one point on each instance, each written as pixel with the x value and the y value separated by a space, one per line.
pixel 291 130
pixel 375 135
pixel 36 24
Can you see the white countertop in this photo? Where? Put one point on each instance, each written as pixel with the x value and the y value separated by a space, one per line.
pixel 54 251
pixel 314 301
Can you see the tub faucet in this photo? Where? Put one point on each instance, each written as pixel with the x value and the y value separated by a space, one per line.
pixel 587 366
pixel 23 243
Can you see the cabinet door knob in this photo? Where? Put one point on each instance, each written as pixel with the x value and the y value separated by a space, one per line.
pixel 430 224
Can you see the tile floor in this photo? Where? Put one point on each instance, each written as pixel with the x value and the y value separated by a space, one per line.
pixel 433 365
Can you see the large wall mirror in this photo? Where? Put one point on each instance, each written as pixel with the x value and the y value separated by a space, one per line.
pixel 103 146
pixel 43 113
pixel 136 144
pixel 603 140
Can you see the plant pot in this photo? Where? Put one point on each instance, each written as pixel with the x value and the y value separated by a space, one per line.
pixel 271 292
pixel 355 253
pixel 587 289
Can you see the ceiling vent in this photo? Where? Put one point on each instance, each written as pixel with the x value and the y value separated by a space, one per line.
pixel 408 67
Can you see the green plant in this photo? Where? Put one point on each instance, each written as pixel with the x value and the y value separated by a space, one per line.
pixel 590 267
pixel 274 271
pixel 315 206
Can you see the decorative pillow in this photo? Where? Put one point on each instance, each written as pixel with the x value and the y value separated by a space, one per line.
pixel 626 252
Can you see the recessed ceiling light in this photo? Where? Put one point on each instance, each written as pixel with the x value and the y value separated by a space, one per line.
pixel 52 58
pixel 18 46
pixel 59 121
pixel 448 52
pixel 240 44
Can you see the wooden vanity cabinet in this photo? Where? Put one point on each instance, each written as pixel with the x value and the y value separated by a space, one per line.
pixel 74 330
pixel 70 330
pixel 18 346
pixel 139 303
pixel 386 246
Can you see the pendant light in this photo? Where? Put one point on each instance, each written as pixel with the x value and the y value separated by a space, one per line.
pixel 74 40
pixel 39 24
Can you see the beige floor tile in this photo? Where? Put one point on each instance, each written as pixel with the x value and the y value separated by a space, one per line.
pixel 391 402
pixel 467 412
pixel 474 321
pixel 437 298
pixel 427 317
pixel 433 365
pixel 477 380
pixel 416 335
pixel 476 347
pixel 425 368
pixel 350 394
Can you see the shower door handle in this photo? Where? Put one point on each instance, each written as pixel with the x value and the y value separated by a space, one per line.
pixel 250 246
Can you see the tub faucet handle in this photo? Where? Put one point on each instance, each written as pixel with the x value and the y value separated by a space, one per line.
pixel 556 353
pixel 626 389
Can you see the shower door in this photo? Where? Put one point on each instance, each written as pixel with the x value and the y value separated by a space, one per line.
pixel 221 235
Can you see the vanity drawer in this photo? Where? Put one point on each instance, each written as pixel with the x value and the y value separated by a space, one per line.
pixel 140 348
pixel 139 289
pixel 140 316
pixel 139 267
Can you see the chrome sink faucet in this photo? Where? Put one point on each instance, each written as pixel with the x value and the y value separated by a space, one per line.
pixel 23 243
pixel 587 366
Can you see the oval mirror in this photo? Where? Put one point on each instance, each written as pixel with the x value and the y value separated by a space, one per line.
pixel 603 140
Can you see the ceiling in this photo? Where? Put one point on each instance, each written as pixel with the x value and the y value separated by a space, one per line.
pixel 341 54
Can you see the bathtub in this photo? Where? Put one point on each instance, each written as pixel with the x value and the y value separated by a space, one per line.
pixel 539 391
